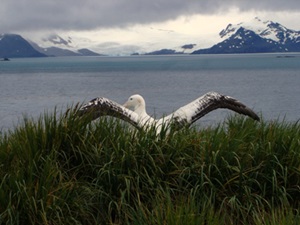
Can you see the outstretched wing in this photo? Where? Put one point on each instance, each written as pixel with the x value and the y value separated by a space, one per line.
pixel 193 111
pixel 104 107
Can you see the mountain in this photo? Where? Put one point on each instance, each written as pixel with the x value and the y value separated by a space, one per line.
pixel 244 41
pixel 87 52
pixel 15 46
pixel 256 36
pixel 55 45
pixel 265 29
pixel 53 51
pixel 184 49
pixel 164 52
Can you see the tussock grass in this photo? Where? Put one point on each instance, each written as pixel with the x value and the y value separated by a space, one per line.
pixel 61 169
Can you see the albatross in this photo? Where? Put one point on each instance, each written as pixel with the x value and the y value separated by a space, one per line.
pixel 134 111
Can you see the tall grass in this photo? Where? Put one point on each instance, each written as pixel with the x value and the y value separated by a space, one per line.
pixel 61 169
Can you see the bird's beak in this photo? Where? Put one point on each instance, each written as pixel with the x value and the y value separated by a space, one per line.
pixel 126 105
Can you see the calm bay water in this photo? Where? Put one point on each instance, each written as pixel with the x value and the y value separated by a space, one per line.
pixel 267 83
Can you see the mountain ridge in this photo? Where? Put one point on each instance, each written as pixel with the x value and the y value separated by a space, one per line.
pixel 254 36
pixel 15 46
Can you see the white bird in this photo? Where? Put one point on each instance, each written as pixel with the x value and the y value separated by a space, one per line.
pixel 134 110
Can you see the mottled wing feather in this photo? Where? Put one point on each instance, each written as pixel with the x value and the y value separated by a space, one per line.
pixel 193 111
pixel 104 107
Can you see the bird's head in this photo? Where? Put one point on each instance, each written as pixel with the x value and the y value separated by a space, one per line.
pixel 136 103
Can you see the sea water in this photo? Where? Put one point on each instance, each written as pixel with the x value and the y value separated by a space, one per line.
pixel 267 83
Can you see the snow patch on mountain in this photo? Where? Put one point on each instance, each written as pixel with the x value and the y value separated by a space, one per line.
pixel 265 29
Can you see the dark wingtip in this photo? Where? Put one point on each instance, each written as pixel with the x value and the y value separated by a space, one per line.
pixel 239 107
pixel 255 117
pixel 251 114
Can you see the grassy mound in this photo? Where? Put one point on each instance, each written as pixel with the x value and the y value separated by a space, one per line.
pixel 61 169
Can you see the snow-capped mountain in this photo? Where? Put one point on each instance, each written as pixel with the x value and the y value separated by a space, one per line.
pixel 265 29
pixel 57 40
pixel 256 36
pixel 54 40
pixel 56 45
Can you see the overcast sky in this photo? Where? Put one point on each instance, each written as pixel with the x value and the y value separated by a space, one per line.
pixel 20 15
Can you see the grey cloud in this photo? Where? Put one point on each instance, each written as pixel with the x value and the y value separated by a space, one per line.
pixel 18 15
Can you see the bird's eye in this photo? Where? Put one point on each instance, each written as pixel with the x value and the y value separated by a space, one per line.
pixel 130 99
